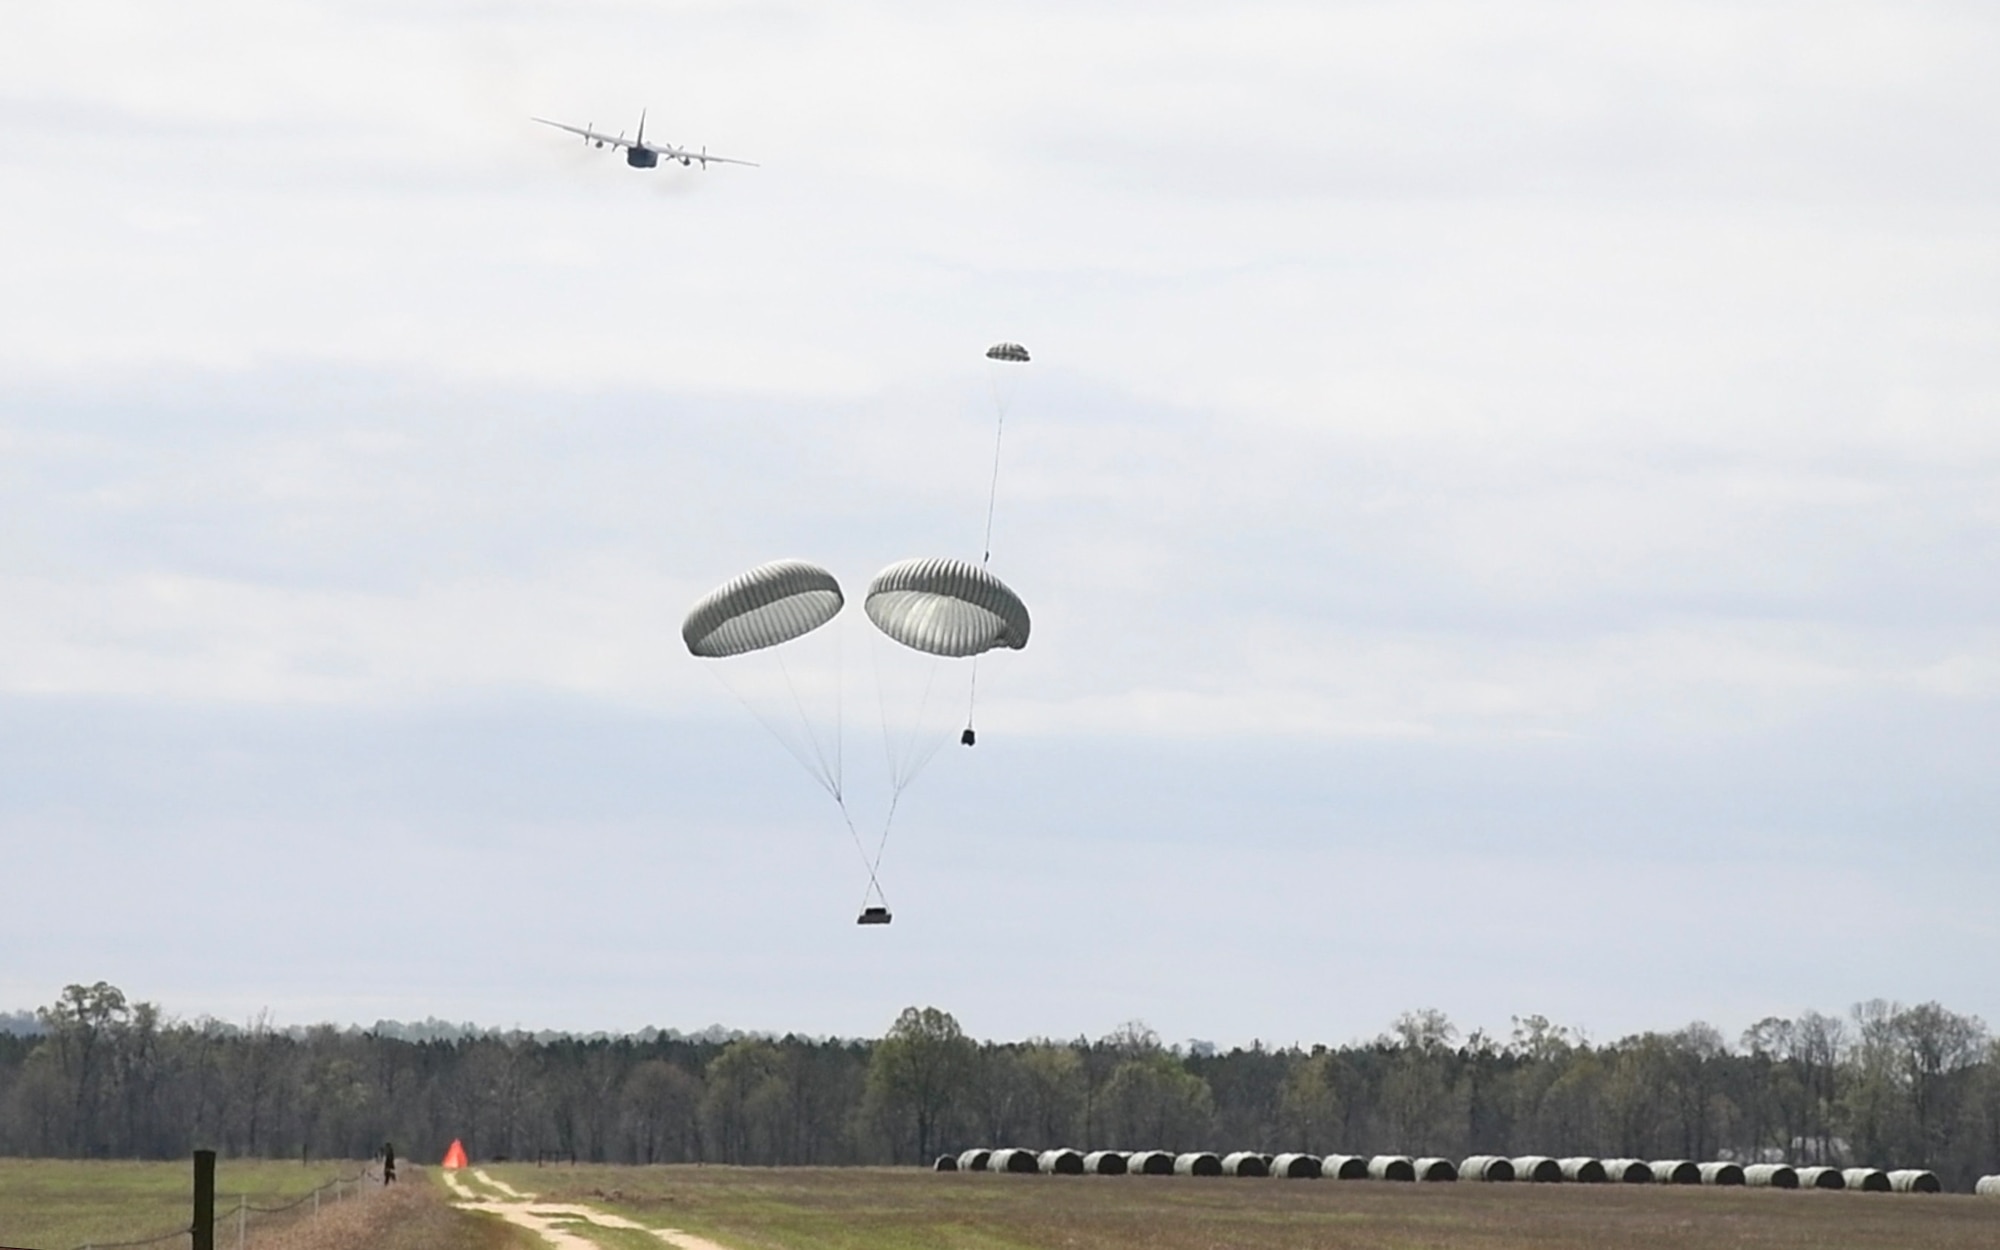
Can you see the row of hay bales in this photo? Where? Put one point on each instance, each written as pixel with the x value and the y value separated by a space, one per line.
pixel 1490 1168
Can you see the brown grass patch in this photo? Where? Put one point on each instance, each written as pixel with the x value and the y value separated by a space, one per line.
pixel 413 1214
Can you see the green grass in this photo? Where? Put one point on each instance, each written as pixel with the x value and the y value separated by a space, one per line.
pixel 57 1204
pixel 613 1238
pixel 907 1209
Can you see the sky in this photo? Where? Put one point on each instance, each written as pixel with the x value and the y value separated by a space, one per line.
pixel 1509 498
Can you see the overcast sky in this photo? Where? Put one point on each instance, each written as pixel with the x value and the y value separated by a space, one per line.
pixel 1509 497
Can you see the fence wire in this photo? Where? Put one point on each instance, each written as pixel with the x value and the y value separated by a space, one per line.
pixel 237 1213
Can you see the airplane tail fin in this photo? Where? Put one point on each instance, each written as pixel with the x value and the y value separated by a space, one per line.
pixel 642 125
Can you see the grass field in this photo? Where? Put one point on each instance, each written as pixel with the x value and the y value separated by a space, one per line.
pixel 890 1209
pixel 58 1204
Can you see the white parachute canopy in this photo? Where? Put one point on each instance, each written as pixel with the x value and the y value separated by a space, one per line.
pixel 946 607
pixel 771 604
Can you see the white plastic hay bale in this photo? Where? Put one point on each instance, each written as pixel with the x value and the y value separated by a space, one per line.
pixel 1540 1169
pixel 1771 1176
pixel 1582 1169
pixel 1060 1162
pixel 1014 1159
pixel 1987 1185
pixel 974 1160
pixel 1867 1180
pixel 1721 1172
pixel 1914 1181
pixel 1821 1178
pixel 1344 1168
pixel 1149 1163
pixel 1435 1170
pixel 1106 1163
pixel 1245 1163
pixel 1197 1163
pixel 1628 1171
pixel 1391 1168
pixel 945 1163
pixel 1491 1168
pixel 1675 1172
pixel 1296 1167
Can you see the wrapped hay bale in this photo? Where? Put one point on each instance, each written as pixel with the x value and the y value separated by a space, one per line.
pixel 1771 1176
pixel 1060 1162
pixel 1675 1172
pixel 1014 1159
pixel 1197 1163
pixel 1493 1168
pixel 1245 1163
pixel 1720 1172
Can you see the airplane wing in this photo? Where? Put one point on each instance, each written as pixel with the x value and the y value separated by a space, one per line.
pixel 589 135
pixel 672 153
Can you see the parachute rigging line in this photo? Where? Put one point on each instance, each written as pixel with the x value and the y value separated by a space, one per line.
pixel 993 487
pixel 814 763
pixel 1006 353
pixel 830 778
pixel 907 760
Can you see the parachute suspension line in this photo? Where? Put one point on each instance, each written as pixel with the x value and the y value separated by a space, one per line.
pixel 908 756
pixel 916 756
pixel 839 706
pixel 817 771
pixel 830 771
pixel 815 767
pixel 971 698
pixel 993 487
pixel 874 882
pixel 986 550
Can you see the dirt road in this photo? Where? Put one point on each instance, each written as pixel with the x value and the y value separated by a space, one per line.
pixel 556 1222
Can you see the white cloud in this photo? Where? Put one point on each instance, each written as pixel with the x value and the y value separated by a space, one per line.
pixel 1429 378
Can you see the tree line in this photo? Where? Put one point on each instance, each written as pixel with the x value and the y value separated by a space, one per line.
pixel 1883 1086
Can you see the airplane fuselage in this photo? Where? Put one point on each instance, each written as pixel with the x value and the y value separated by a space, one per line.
pixel 641 158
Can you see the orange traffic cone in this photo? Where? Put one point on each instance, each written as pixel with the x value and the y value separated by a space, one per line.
pixel 455 1157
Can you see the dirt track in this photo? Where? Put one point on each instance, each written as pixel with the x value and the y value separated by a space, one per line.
pixel 554 1222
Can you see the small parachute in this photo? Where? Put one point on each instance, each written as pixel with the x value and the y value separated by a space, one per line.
pixel 947 608
pixel 1008 351
pixel 771 604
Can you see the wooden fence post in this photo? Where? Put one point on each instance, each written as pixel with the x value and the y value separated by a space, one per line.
pixel 204 1200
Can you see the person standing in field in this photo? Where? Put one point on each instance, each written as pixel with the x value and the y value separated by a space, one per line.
pixel 388 1163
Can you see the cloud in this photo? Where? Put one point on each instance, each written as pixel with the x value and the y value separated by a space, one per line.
pixel 1445 427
